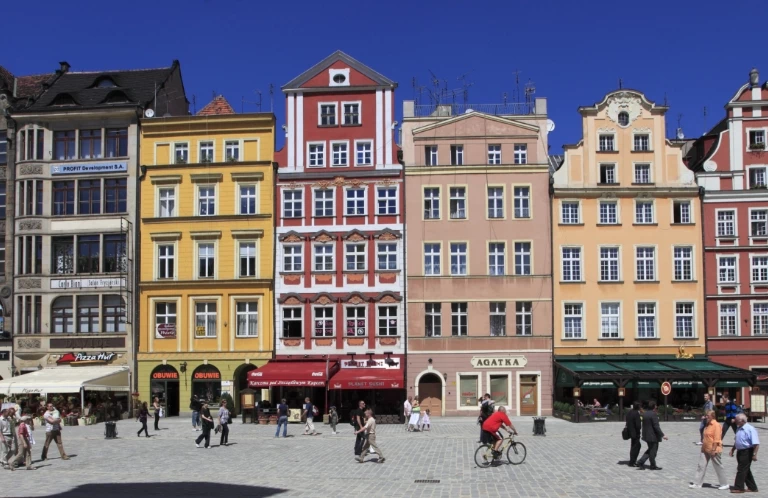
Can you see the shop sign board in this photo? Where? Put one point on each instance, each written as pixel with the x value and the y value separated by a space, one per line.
pixel 165 331
pixel 87 283
pixel 499 362
pixel 102 167
pixel 666 388
pixel 86 358
pixel 368 364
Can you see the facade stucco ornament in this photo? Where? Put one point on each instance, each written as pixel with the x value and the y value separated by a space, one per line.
pixel 30 225
pixel 606 130
pixel 641 130
pixel 687 176
pixel 28 343
pixel 29 283
pixel 31 169
pixel 710 166
pixel 624 102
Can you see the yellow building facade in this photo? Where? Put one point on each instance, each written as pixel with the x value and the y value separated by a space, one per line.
pixel 206 245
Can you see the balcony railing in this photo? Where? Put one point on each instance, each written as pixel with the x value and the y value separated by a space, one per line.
pixel 445 110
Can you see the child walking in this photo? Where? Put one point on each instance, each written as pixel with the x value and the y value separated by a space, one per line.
pixel 333 418
pixel 425 420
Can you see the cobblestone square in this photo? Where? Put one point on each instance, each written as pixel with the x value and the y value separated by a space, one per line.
pixel 572 460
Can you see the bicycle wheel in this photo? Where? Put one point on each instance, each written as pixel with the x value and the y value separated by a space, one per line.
pixel 516 453
pixel 483 456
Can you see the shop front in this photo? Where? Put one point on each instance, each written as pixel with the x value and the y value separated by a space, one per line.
pixel 380 383
pixel 165 386
pixel 602 389
pixel 295 380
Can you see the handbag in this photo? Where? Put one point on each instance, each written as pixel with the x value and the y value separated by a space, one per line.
pixel 625 433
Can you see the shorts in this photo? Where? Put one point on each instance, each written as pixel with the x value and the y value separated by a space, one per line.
pixel 496 436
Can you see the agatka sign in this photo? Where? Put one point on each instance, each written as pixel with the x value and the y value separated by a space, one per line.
pixel 500 362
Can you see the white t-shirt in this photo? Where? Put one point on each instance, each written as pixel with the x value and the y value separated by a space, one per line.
pixel 55 415
pixel 407 408
pixel 370 426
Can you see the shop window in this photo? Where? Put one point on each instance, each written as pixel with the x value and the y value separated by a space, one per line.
pixel 469 389
pixel 500 389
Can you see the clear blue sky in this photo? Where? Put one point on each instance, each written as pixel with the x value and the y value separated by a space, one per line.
pixel 696 52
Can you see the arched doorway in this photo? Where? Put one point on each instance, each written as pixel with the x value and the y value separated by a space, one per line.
pixel 240 382
pixel 431 394
pixel 206 383
pixel 164 383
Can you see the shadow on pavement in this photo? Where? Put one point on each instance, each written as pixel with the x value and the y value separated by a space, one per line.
pixel 166 489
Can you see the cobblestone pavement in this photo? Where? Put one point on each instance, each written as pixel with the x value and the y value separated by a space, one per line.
pixel 571 461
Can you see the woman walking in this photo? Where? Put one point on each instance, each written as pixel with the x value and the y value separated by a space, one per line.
pixel 224 421
pixel 711 450
pixel 143 414
pixel 207 421
pixel 413 424
pixel 156 406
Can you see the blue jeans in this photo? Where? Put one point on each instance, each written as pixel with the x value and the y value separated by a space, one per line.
pixel 283 420
pixel 195 419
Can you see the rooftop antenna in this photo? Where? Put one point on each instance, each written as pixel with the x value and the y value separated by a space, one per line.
pixel 680 135
pixel 516 95
pixel 504 98
pixel 194 104
pixel 271 97
pixel 705 119
pixel 417 91
pixel 257 103
pixel 465 87
pixel 621 84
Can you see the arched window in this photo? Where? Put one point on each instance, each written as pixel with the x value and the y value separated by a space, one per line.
pixel 61 309
pixel 105 82
pixel 114 314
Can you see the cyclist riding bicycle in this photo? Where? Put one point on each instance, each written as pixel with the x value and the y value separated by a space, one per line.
pixel 492 427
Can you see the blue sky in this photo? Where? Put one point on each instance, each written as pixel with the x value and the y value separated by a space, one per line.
pixel 696 52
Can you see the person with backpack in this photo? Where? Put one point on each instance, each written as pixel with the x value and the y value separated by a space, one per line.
pixel 486 410
pixel 731 410
pixel 309 415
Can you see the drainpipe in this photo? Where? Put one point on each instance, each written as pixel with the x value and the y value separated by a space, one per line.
pixel 704 269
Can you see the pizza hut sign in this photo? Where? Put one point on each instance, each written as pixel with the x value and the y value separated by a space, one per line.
pixel 85 358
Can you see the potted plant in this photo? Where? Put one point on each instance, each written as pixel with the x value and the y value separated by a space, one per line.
pixel 263 419
pixel 273 419
pixel 757 146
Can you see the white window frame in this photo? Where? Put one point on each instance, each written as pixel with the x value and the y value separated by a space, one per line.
pixel 461 317
pixel 339 163
pixel 494 154
pixel 295 256
pixel 248 314
pixel 389 251
pixel 608 216
pixel 692 260
pixel 332 199
pixel 182 146
pixel 682 203
pixel 759 320
pixel 368 153
pixel 293 202
pixel 614 320
pixel 206 313
pixel 433 313
pixel 353 191
pixel 248 196
pixel 457 155
pixel 521 153
pixel 522 204
pixel 335 106
pixel 385 312
pixel 609 261
pixel 430 263
pixel 758 267
pixel 204 146
pixel 691 315
pixel 764 169
pixel 524 318
pixel 736 308
pixel 461 202
pixel 231 146
pixel 748 133
pixel 726 228
pixel 604 147
pixel 638 137
pixel 460 255
pixel 175 210
pixel 296 315
pixel 497 309
pixel 614 173
pixel 495 202
pixel 578 316
pixel 199 198
pixel 431 157
pixel 525 255
pixel 638 168
pixel 497 258
pixel 568 221
pixel 358 315
pixel 198 257
pixel 328 314
pixel 316 158
pixel 727 269
pixel 434 202
pixel 645 314
pixel 641 211
pixel 753 214
pixel 645 258
pixel 256 259
pixel 161 260
pixel 358 252
pixel 359 105
pixel 325 256
pixel 387 199
pixel 574 264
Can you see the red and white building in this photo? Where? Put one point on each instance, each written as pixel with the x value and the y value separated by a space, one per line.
pixel 731 164
pixel 339 277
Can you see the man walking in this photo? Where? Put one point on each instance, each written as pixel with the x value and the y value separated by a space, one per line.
pixel 731 410
pixel 282 418
pixel 486 410
pixel 25 444
pixel 357 421
pixel 309 414
pixel 708 405
pixel 370 440
pixel 6 438
pixel 634 427
pixel 407 407
pixel 652 435
pixel 53 432
pixel 746 446
pixel 194 405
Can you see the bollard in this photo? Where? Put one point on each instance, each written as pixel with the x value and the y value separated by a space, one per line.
pixel 110 430
pixel 538 426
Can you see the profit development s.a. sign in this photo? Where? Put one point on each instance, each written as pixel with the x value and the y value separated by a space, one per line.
pixel 101 167
pixel 499 361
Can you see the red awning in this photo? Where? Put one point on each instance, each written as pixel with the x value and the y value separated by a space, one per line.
pixel 291 373
pixel 362 378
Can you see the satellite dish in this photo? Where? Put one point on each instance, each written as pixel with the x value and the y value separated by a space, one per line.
pixel 550 125
pixel 149 113
pixel 469 110
pixel 680 134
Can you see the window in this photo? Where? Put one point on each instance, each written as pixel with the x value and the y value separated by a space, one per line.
pixel 759 318
pixel 292 258
pixel 457 155
pixel 522 258
pixel 623 119
pixel 317 155
pixel 206 152
pixel 432 320
pixel 458 319
pixel 430 155
pixel 573 321
pixel 90 144
pixel 205 319
pixel 87 314
pixel 324 257
pixel 3 199
pixel 388 320
pixel 88 254
pixel 642 142
pixel 364 154
pixel 728 318
pixel 324 202
pixel 247 199
pixel 3 150
pixel 522 202
pixel 757 177
pixel 63 255
pixel 684 321
pixel 458 258
pixel 355 257
pixel 645 261
pixel 458 203
pixel 64 198
pixel 30 255
pixel 114 313
pixel 32 318
pixel 28 147
pixel 2 260
pixel 494 154
pixel 608 174
pixel 646 320
pixel 726 270
pixel 726 223
pixel 206 260
pixel 609 321
pixel 247 319
pixel 115 195
pixel 643 212
pixel 757 139
pixel 609 264
pixel 355 201
pixel 468 387
pixel 609 213
pixel 339 153
pixel 351 114
pixel 758 221
pixel 387 255
pixel 89 196
pixel 496 258
pixel 181 153
pixel 63 145
pixel 206 200
pixel 523 318
pixel 642 173
pixel 292 323
pixel 247 259
pixel 356 322
pixel 62 312
pixel 759 269
pixel 498 316
pixel 165 261
pixel 432 203
pixel 571 264
pixel 681 212
pixel 386 198
pixel 495 202
pixel 499 389
pixel 117 142
pixel 606 144
pixel 232 150
pixel 327 114
pixel 521 154
pixel 570 212
pixel 431 259
pixel 167 202
pixel 293 203
pixel 683 257
pixel 324 322
pixel 115 253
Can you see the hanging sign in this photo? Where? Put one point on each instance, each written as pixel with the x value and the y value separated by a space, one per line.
pixel 666 388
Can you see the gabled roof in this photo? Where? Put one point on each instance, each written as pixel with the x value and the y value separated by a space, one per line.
pixel 22 87
pixel 467 115
pixel 338 55
pixel 624 93
pixel 215 107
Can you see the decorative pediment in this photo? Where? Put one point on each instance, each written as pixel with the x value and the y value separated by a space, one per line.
pixel 355 236
pixel 291 236
pixel 291 299
pixel 387 234
pixel 355 298
pixel 492 126
pixel 330 182
pixel 317 76
pixel 323 237
pixel 388 297
pixel 323 298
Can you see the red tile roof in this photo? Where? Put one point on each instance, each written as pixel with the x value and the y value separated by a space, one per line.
pixel 218 105
pixel 30 86
pixel 6 79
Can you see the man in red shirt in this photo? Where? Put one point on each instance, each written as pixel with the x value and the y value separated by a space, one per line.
pixel 494 424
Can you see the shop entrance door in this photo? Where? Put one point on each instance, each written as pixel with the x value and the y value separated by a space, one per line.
pixel 172 399
pixel 529 395
pixel 431 395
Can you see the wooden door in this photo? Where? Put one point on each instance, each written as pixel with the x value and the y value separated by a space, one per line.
pixel 430 397
pixel 529 398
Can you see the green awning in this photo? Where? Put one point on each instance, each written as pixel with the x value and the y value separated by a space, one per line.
pixel 699 366
pixel 642 366
pixel 597 384
pixel 589 366
pixel 644 384
pixel 564 379
pixel 732 383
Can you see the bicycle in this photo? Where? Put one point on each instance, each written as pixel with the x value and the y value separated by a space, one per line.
pixel 516 452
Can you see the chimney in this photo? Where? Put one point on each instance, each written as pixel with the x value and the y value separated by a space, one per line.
pixel 64 66
pixel 754 78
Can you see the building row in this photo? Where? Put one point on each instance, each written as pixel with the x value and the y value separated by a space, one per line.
pixel 168 254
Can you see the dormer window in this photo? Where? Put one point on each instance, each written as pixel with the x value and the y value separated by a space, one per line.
pixel 63 99
pixel 105 83
pixel 117 97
